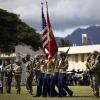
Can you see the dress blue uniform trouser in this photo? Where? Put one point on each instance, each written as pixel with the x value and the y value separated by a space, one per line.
pixel 62 84
pixel 53 91
pixel 57 82
pixel 39 84
pixel 48 85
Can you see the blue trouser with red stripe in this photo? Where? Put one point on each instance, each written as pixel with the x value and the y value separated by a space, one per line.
pixel 48 85
pixel 39 84
pixel 62 84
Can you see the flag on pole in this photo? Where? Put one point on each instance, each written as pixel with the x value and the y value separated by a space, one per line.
pixel 45 34
pixel 48 39
pixel 52 46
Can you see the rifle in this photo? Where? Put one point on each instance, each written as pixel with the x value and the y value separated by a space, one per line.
pixel 98 57
pixel 66 53
pixel 65 59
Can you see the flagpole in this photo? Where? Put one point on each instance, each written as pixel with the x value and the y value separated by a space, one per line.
pixel 48 28
pixel 49 43
pixel 42 11
pixel 50 36
pixel 47 5
pixel 42 4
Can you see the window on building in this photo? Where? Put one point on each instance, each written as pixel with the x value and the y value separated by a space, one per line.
pixel 76 58
pixel 72 58
pixel 69 57
pixel 82 58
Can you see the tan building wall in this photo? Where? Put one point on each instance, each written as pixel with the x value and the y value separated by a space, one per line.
pixel 77 55
pixel 77 61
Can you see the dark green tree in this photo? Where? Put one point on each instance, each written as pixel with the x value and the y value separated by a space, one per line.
pixel 13 32
pixel 65 43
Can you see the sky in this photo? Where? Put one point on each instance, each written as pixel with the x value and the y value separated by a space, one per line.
pixel 65 15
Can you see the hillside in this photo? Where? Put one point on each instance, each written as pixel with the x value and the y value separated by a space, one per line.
pixel 13 32
pixel 93 32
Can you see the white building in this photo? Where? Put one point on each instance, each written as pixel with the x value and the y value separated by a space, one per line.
pixel 4 56
pixel 77 55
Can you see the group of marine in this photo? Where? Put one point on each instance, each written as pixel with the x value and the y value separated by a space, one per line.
pixel 48 75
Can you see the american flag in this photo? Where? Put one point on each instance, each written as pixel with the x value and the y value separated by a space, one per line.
pixel 48 39
pixel 44 36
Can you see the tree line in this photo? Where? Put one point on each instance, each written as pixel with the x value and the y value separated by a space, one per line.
pixel 13 32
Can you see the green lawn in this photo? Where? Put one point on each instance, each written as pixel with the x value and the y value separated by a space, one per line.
pixel 80 93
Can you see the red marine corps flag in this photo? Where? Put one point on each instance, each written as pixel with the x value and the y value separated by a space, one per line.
pixel 48 39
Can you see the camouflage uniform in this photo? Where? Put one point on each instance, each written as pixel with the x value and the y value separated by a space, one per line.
pixel 1 77
pixel 17 75
pixel 92 64
pixel 29 74
pixel 63 65
pixel 95 69
pixel 8 76
pixel 88 67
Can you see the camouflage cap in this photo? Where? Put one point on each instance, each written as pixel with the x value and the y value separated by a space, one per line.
pixel 61 53
pixel 28 55
pixel 95 52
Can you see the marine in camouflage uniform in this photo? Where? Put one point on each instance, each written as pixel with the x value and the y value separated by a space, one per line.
pixel 1 77
pixel 17 75
pixel 29 74
pixel 63 66
pixel 88 67
pixel 95 69
pixel 8 75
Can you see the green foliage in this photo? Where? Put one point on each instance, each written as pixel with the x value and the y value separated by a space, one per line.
pixel 65 43
pixel 13 32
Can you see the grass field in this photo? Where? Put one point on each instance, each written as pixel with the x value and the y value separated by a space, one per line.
pixel 80 93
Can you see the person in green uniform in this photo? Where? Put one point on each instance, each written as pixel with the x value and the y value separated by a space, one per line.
pixel 17 75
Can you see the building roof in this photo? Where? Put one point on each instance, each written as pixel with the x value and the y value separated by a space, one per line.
pixel 80 49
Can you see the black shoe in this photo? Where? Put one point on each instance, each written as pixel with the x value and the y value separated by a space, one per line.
pixel 71 94
pixel 18 92
pixel 37 96
pixel 1 92
pixel 97 95
pixel 30 93
pixel 44 96
pixel 8 92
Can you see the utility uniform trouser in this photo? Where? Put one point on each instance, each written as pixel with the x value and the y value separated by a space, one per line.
pixel 17 83
pixel 96 83
pixel 29 80
pixel 1 86
pixel 8 83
